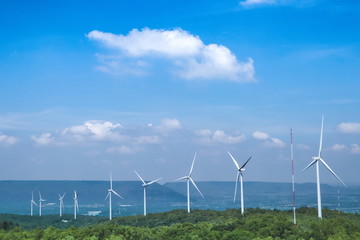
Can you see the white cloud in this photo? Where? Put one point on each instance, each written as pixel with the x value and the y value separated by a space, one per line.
pixel 355 148
pixel 338 147
pixel 168 124
pixel 274 143
pixel 269 141
pixel 247 3
pixel 94 129
pixel 189 57
pixel 43 139
pixel 349 127
pixel 260 135
pixel 123 149
pixel 7 140
pixel 207 136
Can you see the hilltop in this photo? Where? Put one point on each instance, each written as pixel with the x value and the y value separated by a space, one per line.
pixel 200 224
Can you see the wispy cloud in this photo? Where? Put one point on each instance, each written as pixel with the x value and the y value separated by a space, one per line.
pixel 206 136
pixel 123 149
pixel 7 140
pixel 268 141
pixel 352 148
pixel 338 147
pixel 248 3
pixel 188 56
pixel 355 148
pixel 349 127
pixel 45 139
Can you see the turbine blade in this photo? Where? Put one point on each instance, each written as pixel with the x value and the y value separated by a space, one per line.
pixel 140 177
pixel 236 183
pixel 236 164
pixel 327 166
pixel 153 181
pixel 185 177
pixel 192 181
pixel 59 196
pixel 321 135
pixel 245 163
pixel 192 165
pixel 310 164
pixel 33 202
pixel 63 195
pixel 116 194
pixel 40 195
pixel 107 196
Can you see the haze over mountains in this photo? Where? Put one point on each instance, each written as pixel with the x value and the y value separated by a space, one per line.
pixel 15 196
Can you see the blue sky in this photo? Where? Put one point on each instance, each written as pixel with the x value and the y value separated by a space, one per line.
pixel 90 86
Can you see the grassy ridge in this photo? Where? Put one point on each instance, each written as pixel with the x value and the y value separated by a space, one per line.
pixel 200 224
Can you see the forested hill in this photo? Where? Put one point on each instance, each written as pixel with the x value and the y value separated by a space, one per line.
pixel 200 224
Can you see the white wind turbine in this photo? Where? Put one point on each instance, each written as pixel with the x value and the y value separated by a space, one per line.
pixel 239 177
pixel 32 203
pixel 61 203
pixel 145 186
pixel 40 201
pixel 188 179
pixel 76 204
pixel 110 191
pixel 317 160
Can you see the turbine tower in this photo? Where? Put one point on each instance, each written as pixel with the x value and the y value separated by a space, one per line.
pixel 32 203
pixel 188 179
pixel 61 203
pixel 110 191
pixel 145 186
pixel 76 204
pixel 239 177
pixel 40 201
pixel 316 161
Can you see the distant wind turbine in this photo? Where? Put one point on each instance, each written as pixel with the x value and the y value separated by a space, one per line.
pixel 76 204
pixel 32 203
pixel 61 203
pixel 317 160
pixel 239 177
pixel 145 186
pixel 110 191
pixel 188 179
pixel 40 201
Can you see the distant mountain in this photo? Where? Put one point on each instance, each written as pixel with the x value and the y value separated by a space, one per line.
pixel 225 189
pixel 15 196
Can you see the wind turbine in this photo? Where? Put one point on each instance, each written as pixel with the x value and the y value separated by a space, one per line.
pixel 188 179
pixel 110 191
pixel 61 203
pixel 239 177
pixel 40 200
pixel 145 186
pixel 32 203
pixel 317 160
pixel 76 204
